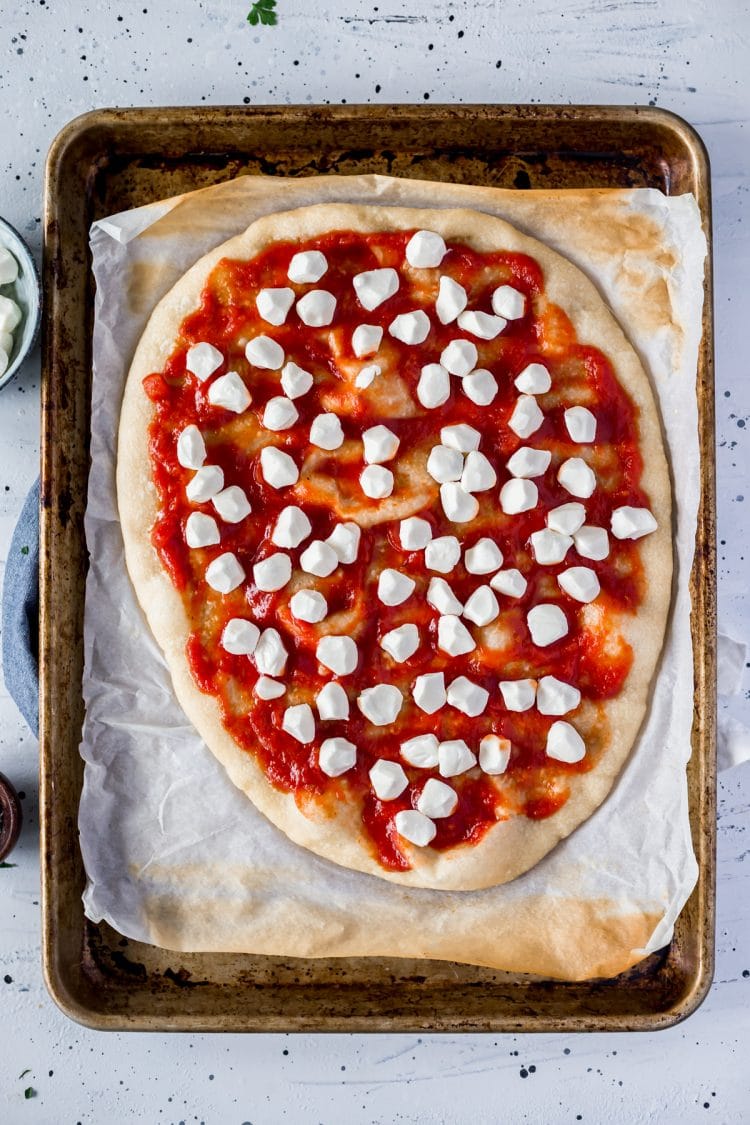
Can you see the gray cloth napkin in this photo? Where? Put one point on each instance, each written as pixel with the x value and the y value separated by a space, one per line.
pixel 21 612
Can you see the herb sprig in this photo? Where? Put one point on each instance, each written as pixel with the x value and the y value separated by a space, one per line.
pixel 262 12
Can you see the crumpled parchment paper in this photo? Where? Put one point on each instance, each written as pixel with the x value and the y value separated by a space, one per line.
pixel 174 854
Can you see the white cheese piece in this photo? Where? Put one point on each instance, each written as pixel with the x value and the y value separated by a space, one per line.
pixel 567 519
pixel 265 353
pixel 375 286
pixel 518 695
pixel 508 302
pixel 299 722
pixel 467 697
pixel 367 376
pixel 266 688
pixel 451 300
pixel 401 643
pixel 550 547
pixel 207 481
pixel 306 267
pixel 202 360
pixel 240 637
pixel 339 654
pixel 291 527
pixel 201 530
pixel 229 392
pixel 425 249
pixel 225 573
pixel 319 558
pixel 481 324
pixel 509 582
pixel 459 357
pixel 415 827
pixel 5 353
pixel 461 437
pixel 410 327
pixel 295 381
pixel 366 339
pixel 344 539
pixel 482 607
pixel 478 474
pixel 316 309
pixel 441 597
pixel 518 495
pixel 577 477
pixel 8 267
pixel 453 636
pixel 332 702
pixel 336 756
pixel 376 482
pixel 308 605
pixel 632 523
pixel 480 386
pixel 564 743
pixel 270 654
pixel 484 557
pixel 458 504
pixel 526 417
pixel 232 504
pixel 414 533
pixel 437 799
pixel 326 432
pixel 388 779
pixel 581 424
pixel 429 692
pixel 580 582
pixel 455 757
pixel 394 587
pixel 445 464
pixel 547 624
pixel 10 314
pixel 433 388
pixel 442 554
pixel 380 704
pixel 527 462
pixel 494 754
pixel 191 448
pixel 533 380
pixel 592 542
pixel 380 444
pixel 273 305
pixel 280 413
pixel 278 468
pixel 555 697
pixel 421 751
pixel 273 572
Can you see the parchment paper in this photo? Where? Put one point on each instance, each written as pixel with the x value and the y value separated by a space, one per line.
pixel 174 854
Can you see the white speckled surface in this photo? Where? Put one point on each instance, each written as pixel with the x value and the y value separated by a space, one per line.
pixel 60 59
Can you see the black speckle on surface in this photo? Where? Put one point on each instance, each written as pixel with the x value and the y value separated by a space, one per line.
pixel 745 973
pixel 524 1072
pixel 9 979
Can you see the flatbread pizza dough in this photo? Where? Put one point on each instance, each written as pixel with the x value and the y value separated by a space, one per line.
pixel 467 724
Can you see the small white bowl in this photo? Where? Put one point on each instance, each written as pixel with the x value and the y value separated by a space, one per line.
pixel 26 291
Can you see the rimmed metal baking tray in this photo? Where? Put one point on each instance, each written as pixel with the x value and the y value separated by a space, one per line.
pixel 111 160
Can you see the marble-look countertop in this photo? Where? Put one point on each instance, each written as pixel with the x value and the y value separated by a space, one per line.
pixel 59 59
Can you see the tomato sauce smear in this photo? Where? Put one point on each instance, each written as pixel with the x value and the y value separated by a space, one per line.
pixel 591 656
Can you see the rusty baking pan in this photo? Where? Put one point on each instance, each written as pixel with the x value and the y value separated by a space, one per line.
pixel 111 160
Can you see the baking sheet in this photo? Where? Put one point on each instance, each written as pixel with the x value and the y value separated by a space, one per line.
pixel 175 825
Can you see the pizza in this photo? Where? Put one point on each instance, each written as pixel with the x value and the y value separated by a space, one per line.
pixel 395 503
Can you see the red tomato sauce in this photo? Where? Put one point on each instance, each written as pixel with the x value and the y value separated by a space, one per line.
pixel 227 317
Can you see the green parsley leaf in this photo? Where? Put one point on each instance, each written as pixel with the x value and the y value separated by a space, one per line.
pixel 4 864
pixel 29 1092
pixel 262 12
pixel 24 550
